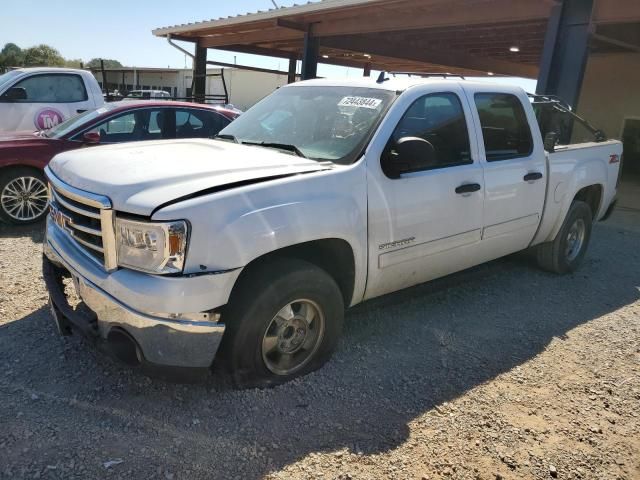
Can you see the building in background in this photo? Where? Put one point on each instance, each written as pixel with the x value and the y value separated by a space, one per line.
pixel 239 87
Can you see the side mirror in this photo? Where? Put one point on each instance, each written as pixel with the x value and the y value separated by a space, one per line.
pixel 550 140
pixel 14 94
pixel 91 138
pixel 409 155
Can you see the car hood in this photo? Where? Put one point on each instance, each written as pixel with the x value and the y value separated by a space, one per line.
pixel 18 135
pixel 139 177
pixel 12 139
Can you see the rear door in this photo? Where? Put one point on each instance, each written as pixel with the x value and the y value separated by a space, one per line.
pixel 51 98
pixel 514 162
pixel 423 225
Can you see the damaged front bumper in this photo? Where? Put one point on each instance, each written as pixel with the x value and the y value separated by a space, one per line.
pixel 135 337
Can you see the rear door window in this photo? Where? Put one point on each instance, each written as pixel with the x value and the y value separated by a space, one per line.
pixel 505 129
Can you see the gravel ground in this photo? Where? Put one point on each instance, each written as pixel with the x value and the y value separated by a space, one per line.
pixel 500 372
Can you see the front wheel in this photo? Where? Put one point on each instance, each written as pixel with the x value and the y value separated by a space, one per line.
pixel 566 252
pixel 23 196
pixel 283 321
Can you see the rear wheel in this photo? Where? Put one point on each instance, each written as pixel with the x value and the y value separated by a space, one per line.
pixel 283 321
pixel 23 196
pixel 566 252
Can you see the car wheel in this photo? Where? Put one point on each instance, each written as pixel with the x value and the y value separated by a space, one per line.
pixel 283 321
pixel 23 196
pixel 566 252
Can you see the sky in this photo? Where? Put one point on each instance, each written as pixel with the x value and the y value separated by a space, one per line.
pixel 121 30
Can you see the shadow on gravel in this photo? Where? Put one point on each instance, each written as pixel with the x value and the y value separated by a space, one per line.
pixel 400 356
pixel 35 231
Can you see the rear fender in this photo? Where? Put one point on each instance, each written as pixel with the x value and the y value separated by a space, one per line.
pixel 562 190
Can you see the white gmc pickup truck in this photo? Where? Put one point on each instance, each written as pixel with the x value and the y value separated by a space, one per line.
pixel 247 249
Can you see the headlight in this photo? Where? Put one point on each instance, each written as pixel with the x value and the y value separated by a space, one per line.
pixel 152 247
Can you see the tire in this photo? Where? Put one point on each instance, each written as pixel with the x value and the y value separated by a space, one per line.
pixel 559 256
pixel 23 196
pixel 263 334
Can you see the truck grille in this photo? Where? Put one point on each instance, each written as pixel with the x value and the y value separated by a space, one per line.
pixel 86 218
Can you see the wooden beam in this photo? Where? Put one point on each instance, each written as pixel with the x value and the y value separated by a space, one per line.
pixel 281 22
pixel 616 11
pixel 442 14
pixel 383 46
pixel 246 67
pixel 258 36
pixel 269 52
pixel 617 43
pixel 293 64
pixel 310 56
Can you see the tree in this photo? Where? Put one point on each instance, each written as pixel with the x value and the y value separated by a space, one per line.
pixel 73 63
pixel 108 63
pixel 11 56
pixel 42 56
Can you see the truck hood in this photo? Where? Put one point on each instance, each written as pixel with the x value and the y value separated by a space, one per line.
pixel 139 177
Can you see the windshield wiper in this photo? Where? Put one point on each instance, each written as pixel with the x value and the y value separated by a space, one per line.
pixel 280 146
pixel 226 136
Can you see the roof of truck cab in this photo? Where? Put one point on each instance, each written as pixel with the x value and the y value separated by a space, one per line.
pixel 51 70
pixel 402 83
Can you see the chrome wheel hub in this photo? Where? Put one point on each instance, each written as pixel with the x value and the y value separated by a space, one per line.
pixel 24 198
pixel 575 239
pixel 292 337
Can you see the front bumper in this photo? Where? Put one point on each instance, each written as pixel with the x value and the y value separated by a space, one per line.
pixel 160 341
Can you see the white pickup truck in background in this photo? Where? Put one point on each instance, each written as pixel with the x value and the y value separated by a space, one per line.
pixel 41 98
pixel 247 249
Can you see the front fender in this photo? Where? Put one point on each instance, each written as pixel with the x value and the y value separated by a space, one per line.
pixel 232 228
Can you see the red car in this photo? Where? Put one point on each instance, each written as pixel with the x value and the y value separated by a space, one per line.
pixel 23 155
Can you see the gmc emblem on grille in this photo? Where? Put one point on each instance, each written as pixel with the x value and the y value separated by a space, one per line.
pixel 60 218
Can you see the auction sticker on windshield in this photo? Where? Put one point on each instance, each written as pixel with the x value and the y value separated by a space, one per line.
pixel 363 102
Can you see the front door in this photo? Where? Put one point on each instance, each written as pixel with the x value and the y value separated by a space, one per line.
pixel 426 223
pixel 51 98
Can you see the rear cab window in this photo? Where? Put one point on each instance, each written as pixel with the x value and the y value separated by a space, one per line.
pixel 568 127
pixel 505 129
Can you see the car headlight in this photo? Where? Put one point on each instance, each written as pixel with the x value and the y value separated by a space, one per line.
pixel 152 247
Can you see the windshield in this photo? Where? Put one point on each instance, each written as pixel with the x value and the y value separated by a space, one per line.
pixel 5 78
pixel 320 122
pixel 71 124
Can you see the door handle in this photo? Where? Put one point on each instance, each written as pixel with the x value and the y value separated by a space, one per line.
pixel 530 177
pixel 80 111
pixel 468 188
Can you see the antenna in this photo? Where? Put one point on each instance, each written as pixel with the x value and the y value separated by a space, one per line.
pixel 381 77
pixel 274 3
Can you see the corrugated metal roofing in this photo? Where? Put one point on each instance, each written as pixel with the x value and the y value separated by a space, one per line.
pixel 272 13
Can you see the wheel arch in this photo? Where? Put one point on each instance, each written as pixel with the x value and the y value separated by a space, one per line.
pixel 333 255
pixel 591 195
pixel 8 167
